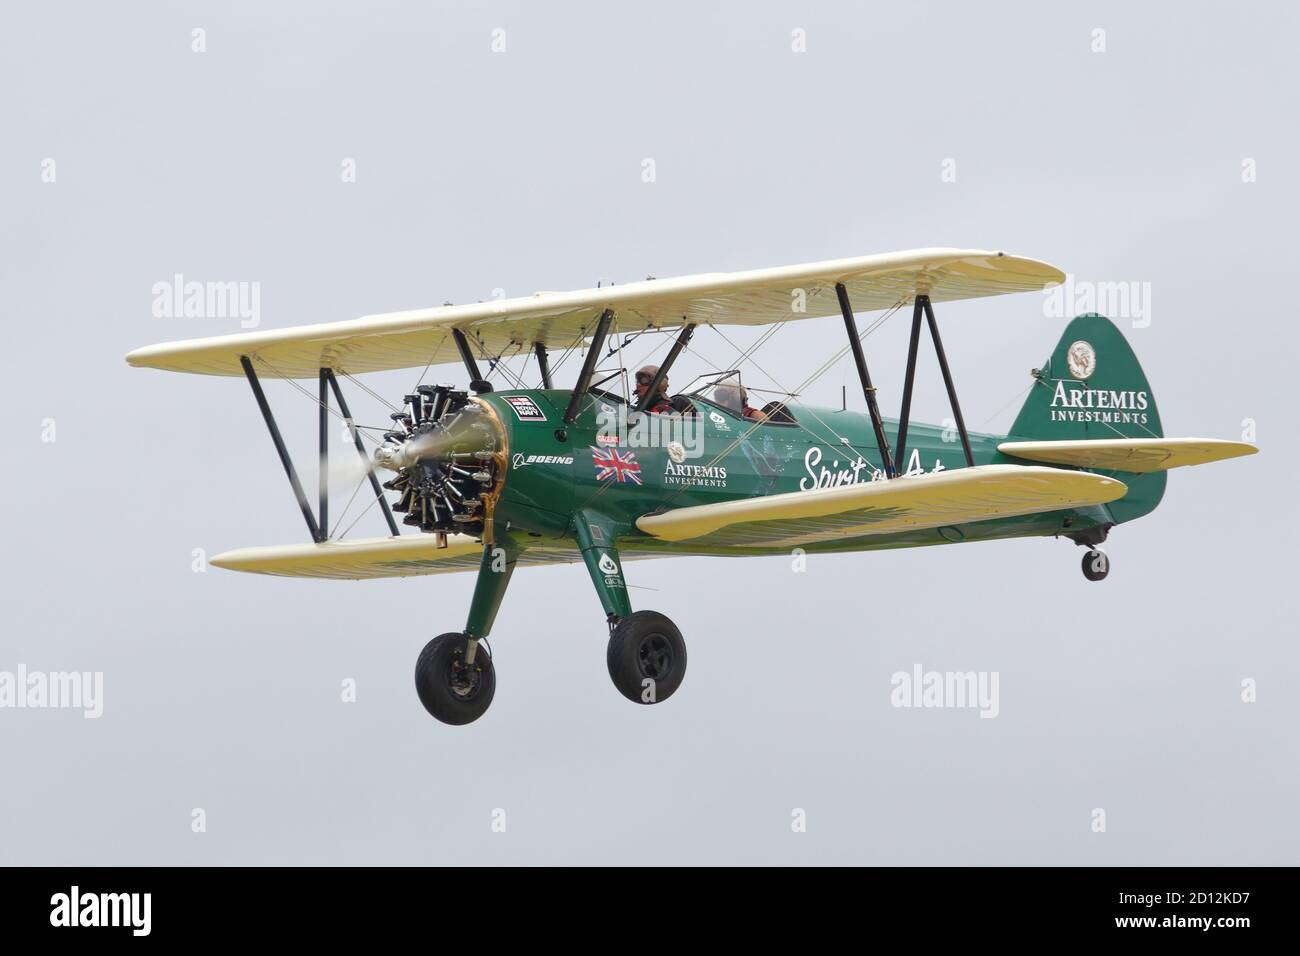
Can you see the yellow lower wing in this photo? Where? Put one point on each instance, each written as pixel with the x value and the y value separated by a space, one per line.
pixel 379 557
pixel 1138 455
pixel 363 558
pixel 885 507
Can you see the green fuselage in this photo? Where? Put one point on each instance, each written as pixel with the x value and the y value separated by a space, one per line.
pixel 551 479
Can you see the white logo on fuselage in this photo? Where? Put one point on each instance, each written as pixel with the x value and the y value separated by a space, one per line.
pixel 857 471
pixel 709 476
pixel 519 460
pixel 833 477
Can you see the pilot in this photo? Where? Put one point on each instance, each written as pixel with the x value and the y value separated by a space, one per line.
pixel 734 398
pixel 659 405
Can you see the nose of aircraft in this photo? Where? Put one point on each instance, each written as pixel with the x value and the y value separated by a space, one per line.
pixel 447 467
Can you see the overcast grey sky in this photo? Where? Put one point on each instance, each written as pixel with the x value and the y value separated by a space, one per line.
pixel 1168 158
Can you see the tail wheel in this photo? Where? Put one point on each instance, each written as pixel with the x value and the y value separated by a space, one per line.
pixel 450 689
pixel 1096 565
pixel 646 657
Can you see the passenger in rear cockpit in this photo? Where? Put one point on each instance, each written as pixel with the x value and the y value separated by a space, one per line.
pixel 735 399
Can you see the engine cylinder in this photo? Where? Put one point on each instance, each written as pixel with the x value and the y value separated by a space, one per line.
pixel 449 452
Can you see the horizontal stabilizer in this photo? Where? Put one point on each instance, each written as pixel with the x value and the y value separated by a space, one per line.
pixel 953 497
pixel 1138 455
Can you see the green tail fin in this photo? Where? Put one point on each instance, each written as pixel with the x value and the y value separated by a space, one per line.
pixel 1092 386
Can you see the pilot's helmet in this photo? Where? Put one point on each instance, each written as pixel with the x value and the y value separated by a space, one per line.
pixel 646 375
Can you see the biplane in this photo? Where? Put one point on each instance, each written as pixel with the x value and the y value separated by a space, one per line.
pixel 494 476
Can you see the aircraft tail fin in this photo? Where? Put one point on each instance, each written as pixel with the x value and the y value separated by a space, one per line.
pixel 1093 387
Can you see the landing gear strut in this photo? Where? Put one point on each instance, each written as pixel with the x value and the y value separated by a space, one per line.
pixel 1096 563
pixel 454 675
pixel 646 654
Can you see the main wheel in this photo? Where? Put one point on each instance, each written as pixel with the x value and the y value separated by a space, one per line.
pixel 646 657
pixel 450 689
pixel 1096 565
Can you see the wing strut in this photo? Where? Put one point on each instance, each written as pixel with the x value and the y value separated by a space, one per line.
pixel 543 362
pixel 682 338
pixel 947 381
pixel 922 304
pixel 280 449
pixel 900 443
pixel 589 364
pixel 323 428
pixel 361 450
pixel 869 390
pixel 476 380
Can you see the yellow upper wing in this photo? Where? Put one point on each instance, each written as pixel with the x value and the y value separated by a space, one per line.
pixel 884 507
pixel 560 319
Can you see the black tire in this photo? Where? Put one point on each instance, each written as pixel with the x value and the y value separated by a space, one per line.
pixel 1096 565
pixel 646 646
pixel 448 689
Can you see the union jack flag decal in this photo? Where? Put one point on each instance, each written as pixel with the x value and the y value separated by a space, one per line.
pixel 612 463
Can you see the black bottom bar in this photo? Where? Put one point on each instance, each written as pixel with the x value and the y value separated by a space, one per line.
pixel 978 908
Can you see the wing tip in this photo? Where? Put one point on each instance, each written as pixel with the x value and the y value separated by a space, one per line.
pixel 226 560
pixel 1113 488
pixel 151 356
